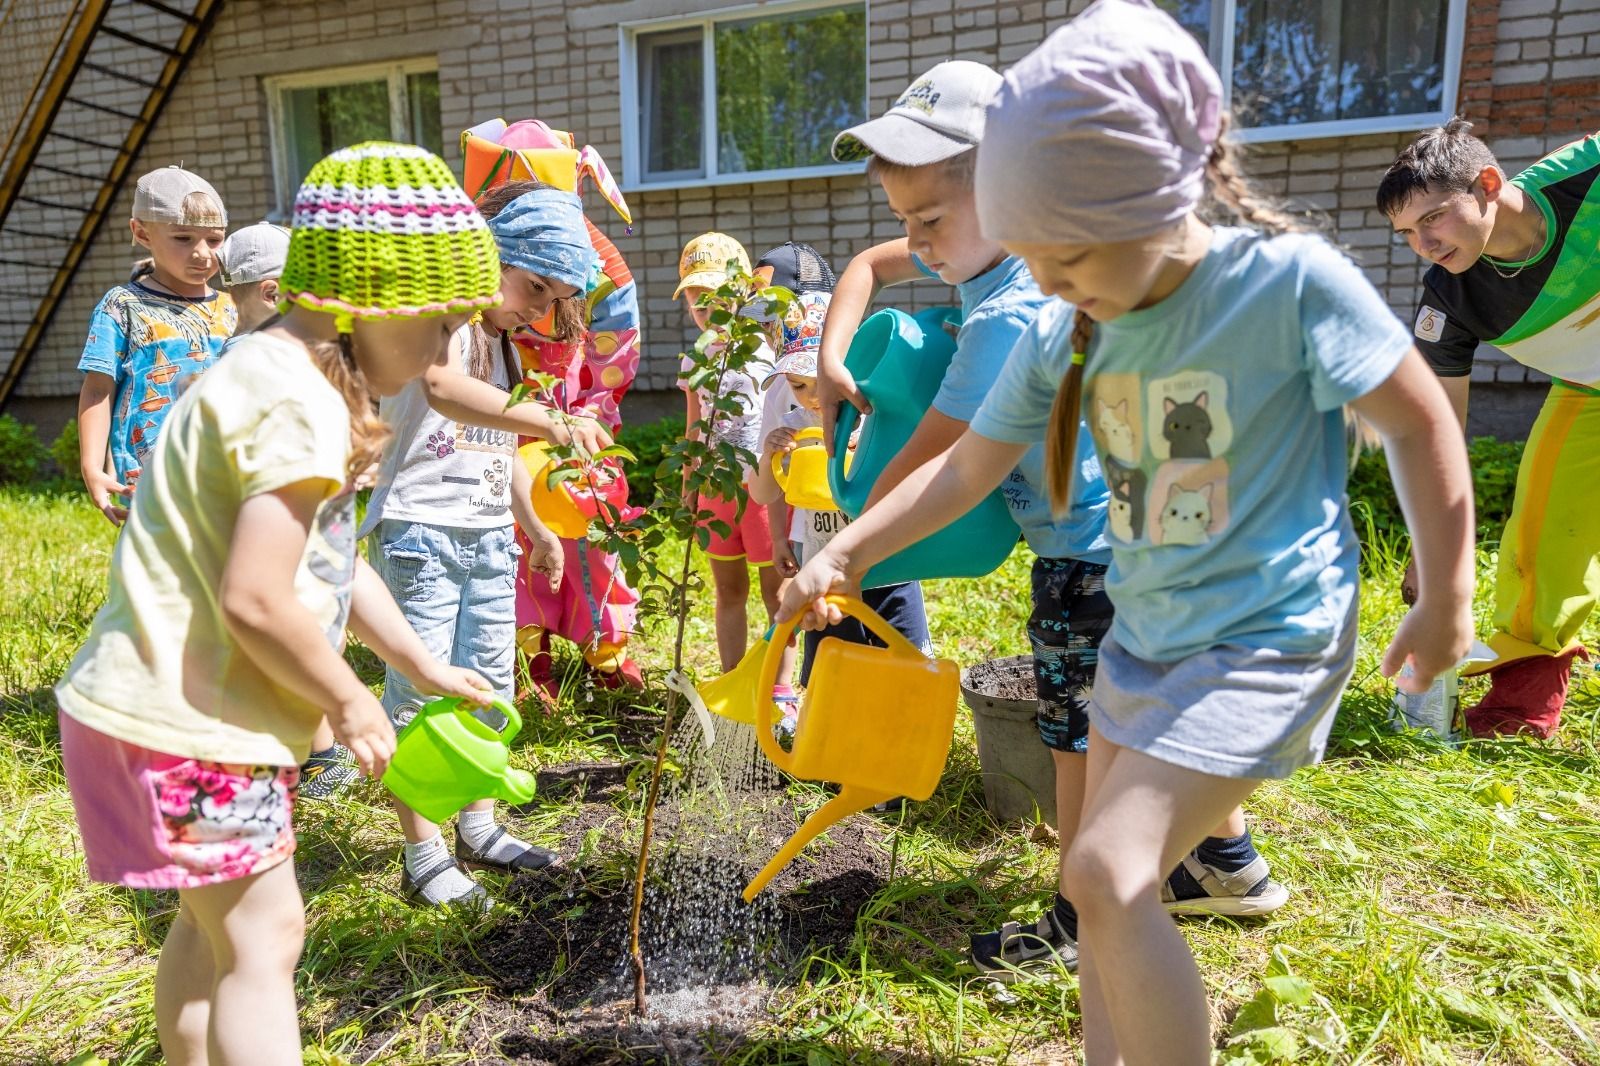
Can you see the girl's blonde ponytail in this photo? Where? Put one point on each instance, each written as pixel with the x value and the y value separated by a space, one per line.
pixel 1061 441
pixel 368 432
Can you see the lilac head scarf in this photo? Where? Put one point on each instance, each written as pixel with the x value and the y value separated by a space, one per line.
pixel 1101 133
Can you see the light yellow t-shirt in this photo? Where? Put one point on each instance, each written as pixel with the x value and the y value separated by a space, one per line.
pixel 159 668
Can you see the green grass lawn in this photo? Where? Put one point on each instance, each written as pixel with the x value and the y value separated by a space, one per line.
pixel 1445 908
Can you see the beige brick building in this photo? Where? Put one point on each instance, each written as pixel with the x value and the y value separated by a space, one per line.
pixel 1335 87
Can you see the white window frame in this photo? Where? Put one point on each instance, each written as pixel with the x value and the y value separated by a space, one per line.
pixel 633 179
pixel 395 73
pixel 1224 18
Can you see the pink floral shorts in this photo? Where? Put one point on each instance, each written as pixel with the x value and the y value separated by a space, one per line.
pixel 151 820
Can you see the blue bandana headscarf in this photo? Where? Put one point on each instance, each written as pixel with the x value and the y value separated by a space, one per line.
pixel 543 232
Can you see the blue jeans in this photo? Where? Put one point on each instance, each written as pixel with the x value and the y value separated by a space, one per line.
pixel 457 588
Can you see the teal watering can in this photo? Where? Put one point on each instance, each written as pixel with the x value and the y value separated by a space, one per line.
pixel 898 361
pixel 447 757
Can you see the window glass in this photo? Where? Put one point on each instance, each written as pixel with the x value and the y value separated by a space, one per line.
pixel 321 119
pixel 786 86
pixel 1298 61
pixel 1194 16
pixel 672 86
pixel 422 96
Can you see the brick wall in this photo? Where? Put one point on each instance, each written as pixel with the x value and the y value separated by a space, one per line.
pixel 1531 71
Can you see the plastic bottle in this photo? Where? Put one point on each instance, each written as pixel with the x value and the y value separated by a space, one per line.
pixel 1438 710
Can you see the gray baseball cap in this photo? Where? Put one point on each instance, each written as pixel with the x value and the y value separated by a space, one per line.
pixel 940 115
pixel 169 195
pixel 254 253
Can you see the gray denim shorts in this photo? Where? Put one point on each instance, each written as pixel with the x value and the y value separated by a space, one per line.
pixel 1230 711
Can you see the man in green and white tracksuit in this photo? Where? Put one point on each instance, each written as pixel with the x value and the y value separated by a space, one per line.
pixel 1516 264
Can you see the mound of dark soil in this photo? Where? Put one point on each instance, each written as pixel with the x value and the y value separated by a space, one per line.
pixel 560 984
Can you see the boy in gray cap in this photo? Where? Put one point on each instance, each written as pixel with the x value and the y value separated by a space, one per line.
pixel 252 261
pixel 149 338
pixel 923 152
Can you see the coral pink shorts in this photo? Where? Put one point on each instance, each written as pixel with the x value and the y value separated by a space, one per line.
pixel 151 820
pixel 748 537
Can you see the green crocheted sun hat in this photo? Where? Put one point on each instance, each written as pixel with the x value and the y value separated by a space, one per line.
pixel 383 231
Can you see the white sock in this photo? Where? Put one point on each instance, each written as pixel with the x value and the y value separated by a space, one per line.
pixel 478 826
pixel 449 885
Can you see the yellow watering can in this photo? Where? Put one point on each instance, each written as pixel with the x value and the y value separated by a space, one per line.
pixel 568 507
pixel 804 477
pixel 734 694
pixel 878 721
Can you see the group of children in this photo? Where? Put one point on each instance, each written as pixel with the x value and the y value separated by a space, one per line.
pixel 1166 403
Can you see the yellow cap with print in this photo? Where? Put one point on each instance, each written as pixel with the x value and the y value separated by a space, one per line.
pixel 704 263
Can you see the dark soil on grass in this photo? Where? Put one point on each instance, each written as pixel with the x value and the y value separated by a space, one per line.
pixel 558 985
pixel 1003 679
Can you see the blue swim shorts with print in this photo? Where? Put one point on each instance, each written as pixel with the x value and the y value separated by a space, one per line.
pixel 1071 615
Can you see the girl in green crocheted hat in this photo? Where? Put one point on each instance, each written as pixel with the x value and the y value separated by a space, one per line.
pixel 187 712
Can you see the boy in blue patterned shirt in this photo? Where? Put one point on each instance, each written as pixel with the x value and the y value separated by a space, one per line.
pixel 148 339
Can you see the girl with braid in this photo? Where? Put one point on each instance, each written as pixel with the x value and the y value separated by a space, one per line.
pixel 1212 365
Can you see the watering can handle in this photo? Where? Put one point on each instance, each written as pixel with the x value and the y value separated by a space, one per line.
pixel 513 724
pixel 780 471
pixel 780 464
pixel 779 636
pixel 842 428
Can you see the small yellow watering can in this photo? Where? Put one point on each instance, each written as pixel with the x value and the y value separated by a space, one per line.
pixel 569 506
pixel 878 721
pixel 555 506
pixel 804 477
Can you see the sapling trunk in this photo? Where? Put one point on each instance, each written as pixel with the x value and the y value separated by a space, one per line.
pixel 718 469
pixel 635 956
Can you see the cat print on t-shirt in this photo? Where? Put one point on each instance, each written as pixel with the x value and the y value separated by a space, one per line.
pixel 1162 443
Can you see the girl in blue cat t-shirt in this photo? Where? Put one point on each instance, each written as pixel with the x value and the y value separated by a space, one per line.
pixel 1213 366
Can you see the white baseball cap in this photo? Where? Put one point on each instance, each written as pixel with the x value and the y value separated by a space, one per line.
pixel 940 115
pixel 254 253
pixel 168 195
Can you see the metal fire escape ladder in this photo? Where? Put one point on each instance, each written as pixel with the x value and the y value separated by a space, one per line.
pixel 50 212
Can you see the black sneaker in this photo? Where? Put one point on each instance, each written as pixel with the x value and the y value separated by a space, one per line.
pixel 326 772
pixel 1006 955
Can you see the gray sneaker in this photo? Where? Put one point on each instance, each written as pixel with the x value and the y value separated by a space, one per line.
pixel 1243 893
pixel 326 772
pixel 1011 952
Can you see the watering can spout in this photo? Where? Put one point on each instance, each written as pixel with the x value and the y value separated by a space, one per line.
pixel 849 800
pixel 734 694
pixel 518 787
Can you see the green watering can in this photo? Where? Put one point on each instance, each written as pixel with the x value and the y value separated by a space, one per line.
pixel 899 362
pixel 447 757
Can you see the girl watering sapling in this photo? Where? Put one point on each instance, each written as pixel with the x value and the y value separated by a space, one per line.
pixel 583 356
pixel 443 516
pixel 1234 566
